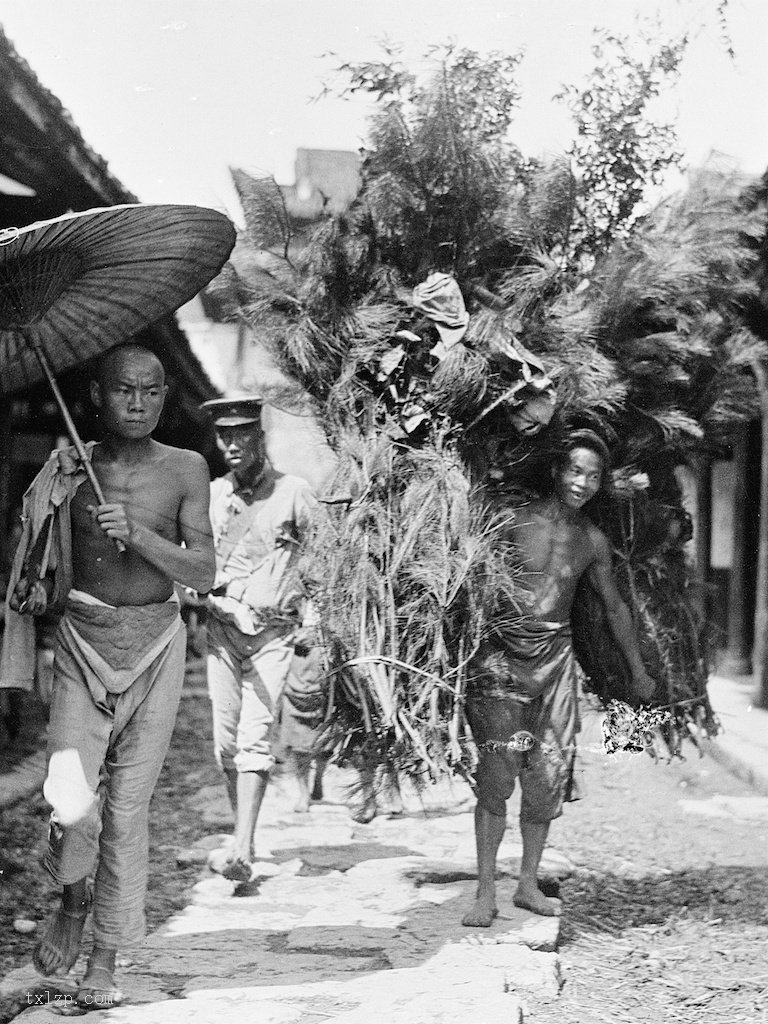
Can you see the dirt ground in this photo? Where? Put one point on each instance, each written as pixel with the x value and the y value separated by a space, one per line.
pixel 665 917
pixel 26 890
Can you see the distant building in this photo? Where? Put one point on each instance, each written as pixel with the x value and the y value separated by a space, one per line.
pixel 237 364
pixel 327 182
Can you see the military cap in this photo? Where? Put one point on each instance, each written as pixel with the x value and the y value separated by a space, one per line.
pixel 234 412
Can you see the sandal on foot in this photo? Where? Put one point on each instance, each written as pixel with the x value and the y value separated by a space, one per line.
pixel 68 951
pixel 91 996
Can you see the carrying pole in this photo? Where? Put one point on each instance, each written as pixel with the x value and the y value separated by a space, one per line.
pixel 71 428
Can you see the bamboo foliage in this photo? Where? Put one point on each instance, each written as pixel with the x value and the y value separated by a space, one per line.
pixel 408 576
pixel 645 343
pixel 671 314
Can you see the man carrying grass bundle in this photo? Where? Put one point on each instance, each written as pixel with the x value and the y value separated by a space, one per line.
pixel 524 690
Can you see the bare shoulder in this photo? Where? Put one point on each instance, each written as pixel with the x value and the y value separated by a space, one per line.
pixel 597 540
pixel 526 522
pixel 527 511
pixel 186 468
pixel 182 458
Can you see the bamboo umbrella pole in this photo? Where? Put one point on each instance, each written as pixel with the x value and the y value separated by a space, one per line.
pixel 71 428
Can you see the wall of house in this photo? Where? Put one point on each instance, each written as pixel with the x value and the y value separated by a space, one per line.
pixel 237 364
pixel 327 181
pixel 721 543
pixel 216 345
pixel 723 513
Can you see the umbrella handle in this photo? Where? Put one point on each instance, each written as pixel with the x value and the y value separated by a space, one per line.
pixel 72 429
pixel 83 455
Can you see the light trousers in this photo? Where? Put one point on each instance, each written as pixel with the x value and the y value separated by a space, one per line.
pixel 246 676
pixel 104 762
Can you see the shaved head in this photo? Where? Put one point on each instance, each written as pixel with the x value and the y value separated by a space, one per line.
pixel 128 390
pixel 115 358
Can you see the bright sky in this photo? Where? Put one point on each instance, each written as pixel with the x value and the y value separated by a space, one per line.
pixel 172 92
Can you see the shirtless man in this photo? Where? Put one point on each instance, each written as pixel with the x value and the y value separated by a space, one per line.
pixel 526 677
pixel 119 658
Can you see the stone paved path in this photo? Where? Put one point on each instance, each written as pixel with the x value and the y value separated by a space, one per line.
pixel 341 923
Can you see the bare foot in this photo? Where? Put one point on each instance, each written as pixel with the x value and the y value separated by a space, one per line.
pixel 58 949
pixel 302 805
pixel 482 913
pixel 237 870
pixel 317 790
pixel 366 811
pixel 97 990
pixel 218 859
pixel 530 897
pixel 396 807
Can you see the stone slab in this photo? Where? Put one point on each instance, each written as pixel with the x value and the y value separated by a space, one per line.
pixel 347 923
pixel 744 808
pixel 741 747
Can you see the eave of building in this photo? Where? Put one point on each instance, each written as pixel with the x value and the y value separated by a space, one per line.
pixel 42 145
pixel 43 149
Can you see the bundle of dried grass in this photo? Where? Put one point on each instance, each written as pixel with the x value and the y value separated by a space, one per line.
pixel 408 575
pixel 644 345
pixel 658 584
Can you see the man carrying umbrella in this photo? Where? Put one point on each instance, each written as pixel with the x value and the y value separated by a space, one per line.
pixel 120 651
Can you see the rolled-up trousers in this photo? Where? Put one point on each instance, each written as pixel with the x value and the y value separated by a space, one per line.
pixel 104 762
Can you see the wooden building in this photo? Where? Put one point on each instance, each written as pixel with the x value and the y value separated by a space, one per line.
pixel 47 169
pixel 326 182
pixel 731 511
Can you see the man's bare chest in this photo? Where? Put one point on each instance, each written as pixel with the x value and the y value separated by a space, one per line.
pixel 556 550
pixel 149 497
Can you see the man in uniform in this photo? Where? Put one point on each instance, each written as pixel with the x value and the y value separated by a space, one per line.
pixel 254 610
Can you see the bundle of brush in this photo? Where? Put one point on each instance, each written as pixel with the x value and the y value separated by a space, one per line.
pixel 431 562
pixel 407 572
pixel 670 317
pixel 652 353
pixel 407 576
pixel 649 530
pixel 640 510
pixel 421 395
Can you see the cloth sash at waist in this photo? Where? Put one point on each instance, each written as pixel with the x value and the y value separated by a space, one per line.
pixel 116 644
pixel 526 661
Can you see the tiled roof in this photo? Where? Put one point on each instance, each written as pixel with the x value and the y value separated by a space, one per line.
pixel 42 145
